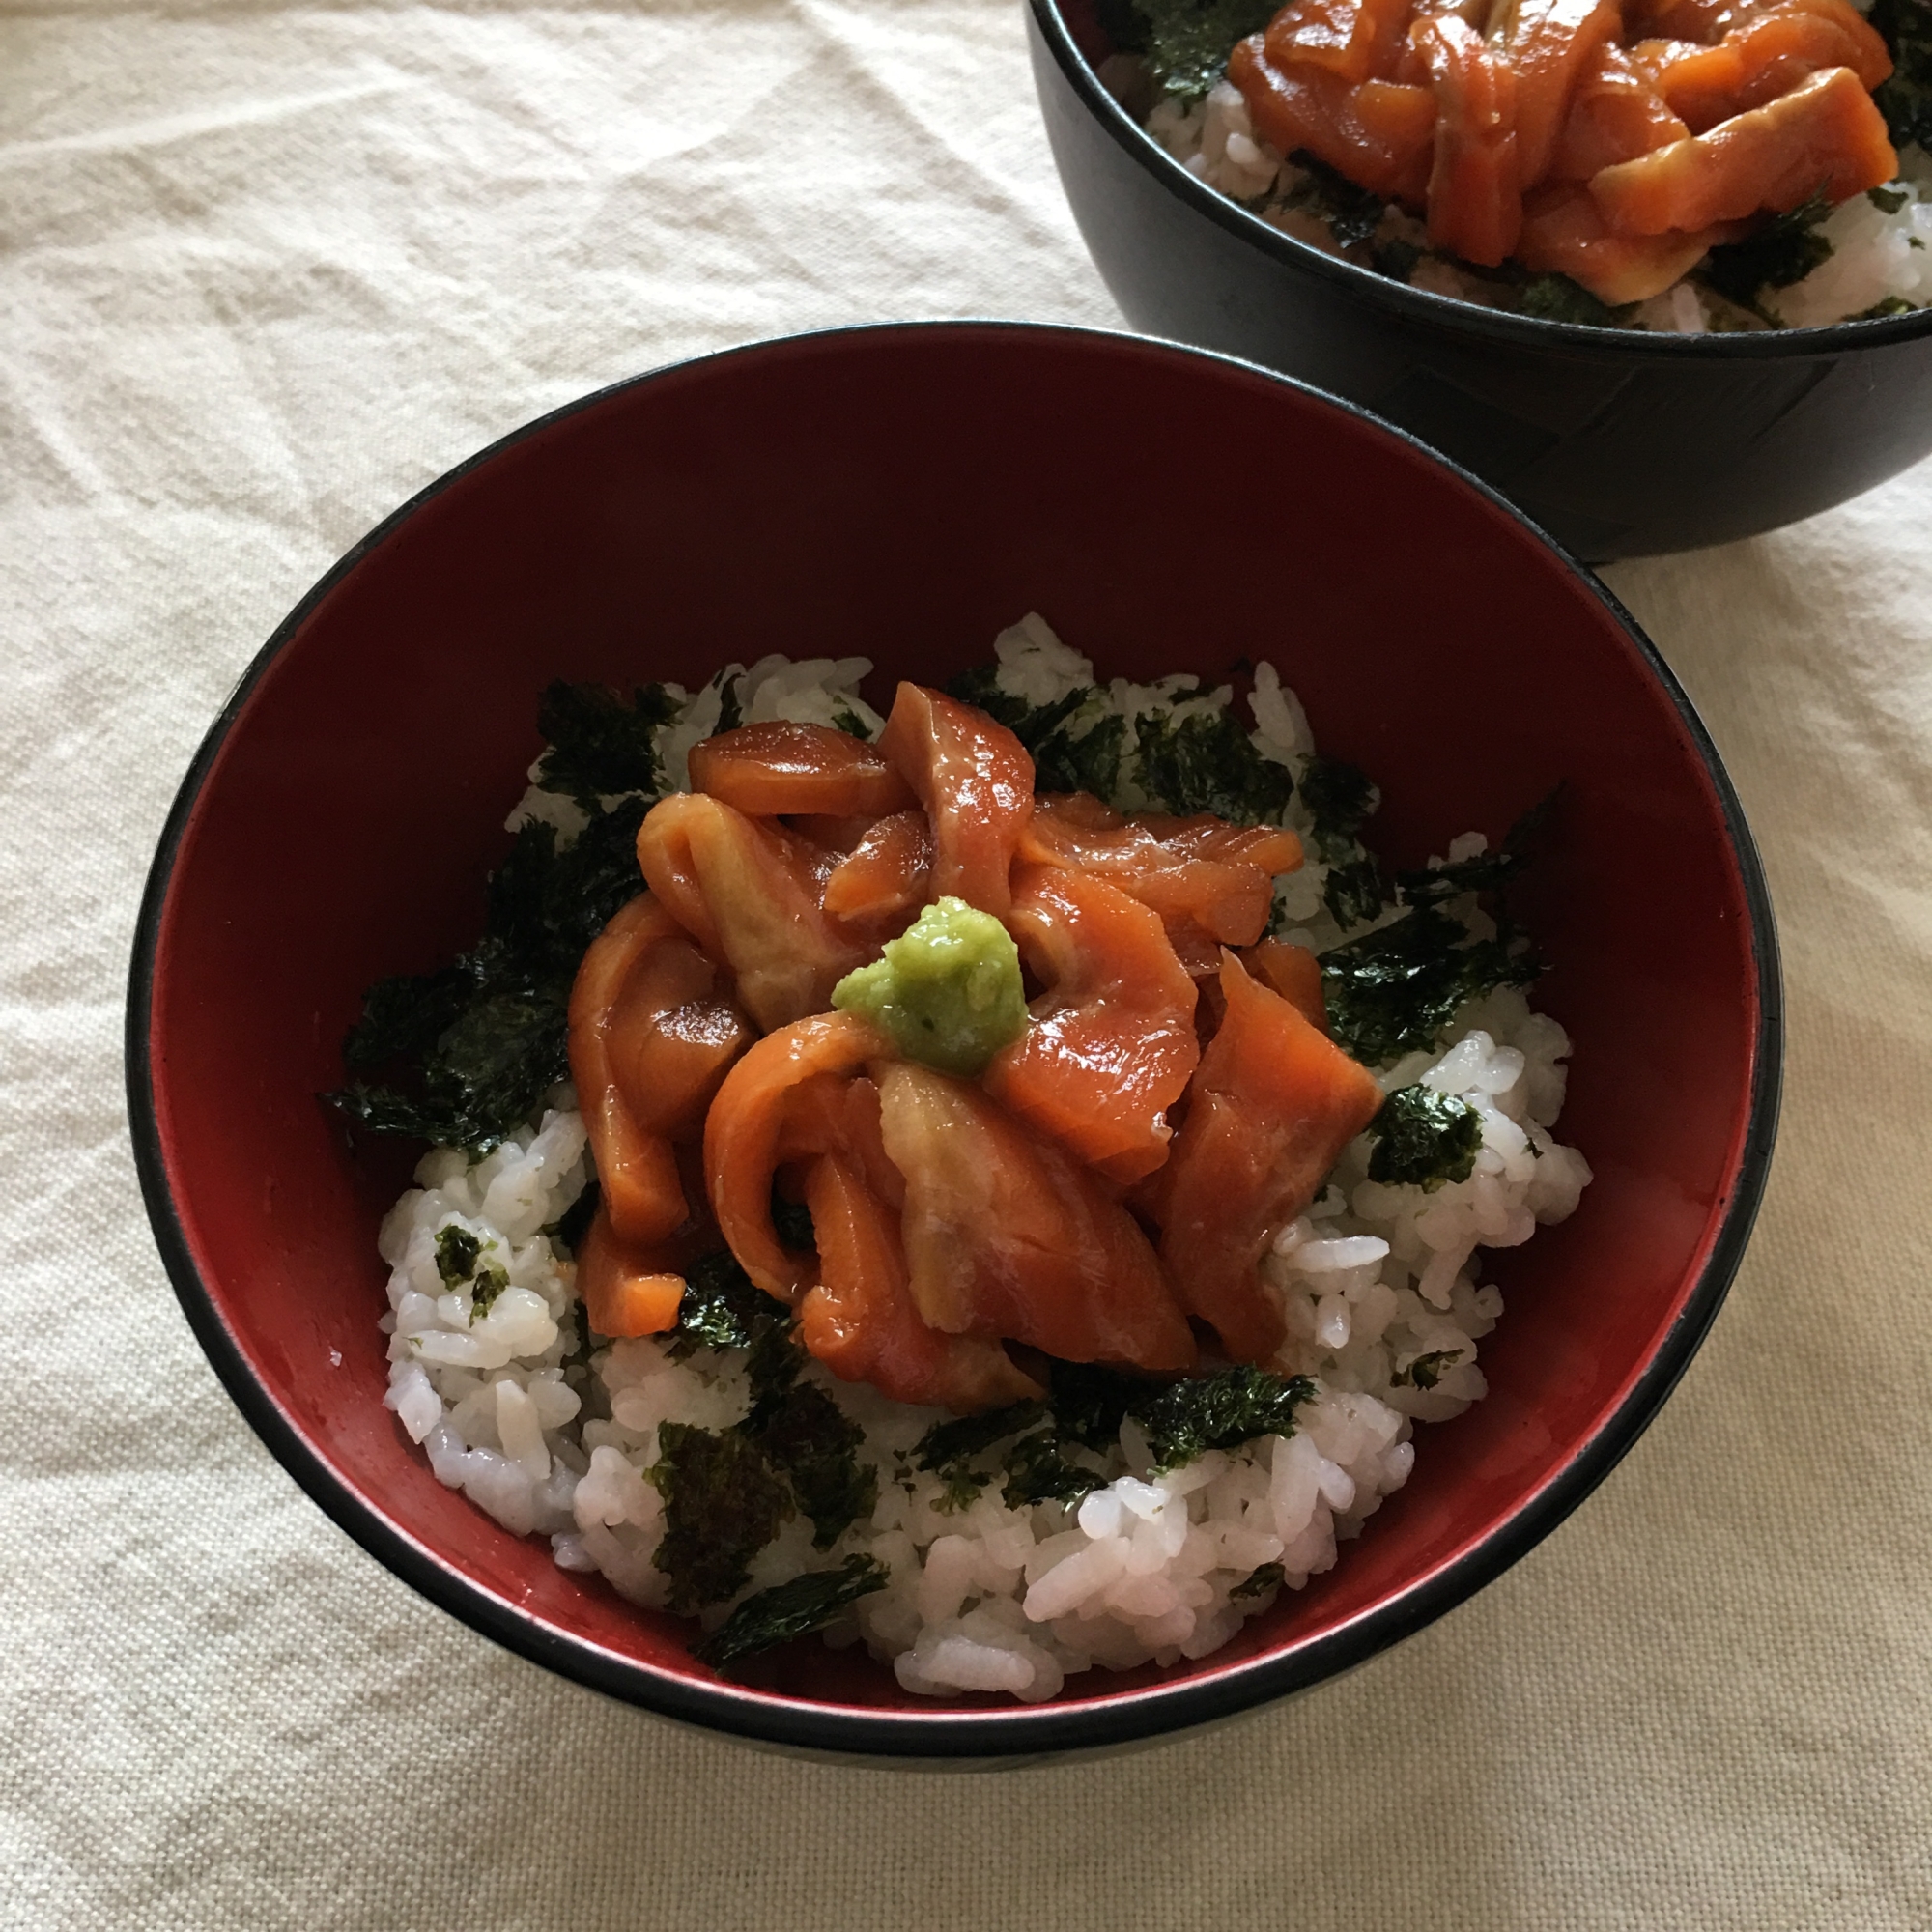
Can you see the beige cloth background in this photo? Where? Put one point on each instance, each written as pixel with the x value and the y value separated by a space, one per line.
pixel 266 271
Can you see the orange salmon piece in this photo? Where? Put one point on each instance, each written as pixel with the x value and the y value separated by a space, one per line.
pixel 860 1320
pixel 650 1035
pixel 1295 973
pixel 627 1288
pixel 1112 1043
pixel 766 770
pixel 1271 1109
pixel 1353 40
pixel 1615 114
pixel 974 781
pixel 1761 59
pixel 1475 179
pixel 1550 44
pixel 837 1114
pixel 742 1135
pixel 886 872
pixel 1009 1237
pixel 1211 883
pixel 748 893
pixel 1378 132
pixel 1825 136
pixel 1564 231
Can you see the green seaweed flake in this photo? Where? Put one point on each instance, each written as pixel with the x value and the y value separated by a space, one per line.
pixel 598 745
pixel 469 1051
pixel 1185 1420
pixel 723 1502
pixel 1424 1139
pixel 791 1609
pixel 1204 761
pixel 1425 1371
pixel 815 1444
pixel 1338 799
pixel 1783 250
pixel 1258 1582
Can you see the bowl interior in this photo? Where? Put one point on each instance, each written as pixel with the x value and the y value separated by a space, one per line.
pixel 904 493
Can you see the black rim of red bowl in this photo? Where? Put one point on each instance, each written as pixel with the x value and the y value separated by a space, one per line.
pixel 1018 1732
pixel 1424 305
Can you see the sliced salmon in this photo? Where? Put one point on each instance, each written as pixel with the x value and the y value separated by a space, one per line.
pixel 1211 883
pixel 743 1132
pixel 974 781
pixel 1111 1045
pixel 1550 44
pixel 1353 40
pixel 1564 232
pixel 837 1114
pixel 627 1288
pixel 1825 137
pixel 651 1033
pixel 860 1320
pixel 769 770
pixel 1270 1112
pixel 1475 178
pixel 1295 973
pixel 1378 132
pixel 1009 1237
pixel 748 893
pixel 1615 114
pixel 1762 59
pixel 886 872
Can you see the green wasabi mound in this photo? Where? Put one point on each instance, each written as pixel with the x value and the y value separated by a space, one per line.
pixel 946 991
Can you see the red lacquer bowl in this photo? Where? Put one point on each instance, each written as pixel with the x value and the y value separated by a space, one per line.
pixel 905 492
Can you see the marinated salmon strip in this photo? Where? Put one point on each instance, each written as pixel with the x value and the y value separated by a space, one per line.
pixel 748 893
pixel 886 872
pixel 1823 137
pixel 974 781
pixel 1761 59
pixel 1474 197
pixel 1353 40
pixel 838 1114
pixel 1009 1237
pixel 1295 973
pixel 651 1034
pixel 1273 1105
pixel 1550 44
pixel 628 1288
pixel 1378 132
pixel 1112 1045
pixel 860 1320
pixel 1564 232
pixel 1615 114
pixel 1211 883
pixel 769 770
pixel 744 1129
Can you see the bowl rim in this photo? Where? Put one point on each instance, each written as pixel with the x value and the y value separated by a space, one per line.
pixel 1425 305
pixel 1004 1734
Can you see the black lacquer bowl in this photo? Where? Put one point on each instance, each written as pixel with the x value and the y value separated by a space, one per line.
pixel 1621 443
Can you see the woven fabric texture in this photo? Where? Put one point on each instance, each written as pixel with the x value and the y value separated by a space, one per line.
pixel 266 269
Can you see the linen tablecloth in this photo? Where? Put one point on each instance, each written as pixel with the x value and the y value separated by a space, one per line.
pixel 267 269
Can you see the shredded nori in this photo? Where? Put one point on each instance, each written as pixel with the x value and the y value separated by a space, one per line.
pixel 812 1440
pixel 1258 1582
pixel 1425 1371
pixel 1185 43
pixel 1338 799
pixel 723 1502
pixel 598 745
pixel 1555 297
pixel 1220 1411
pixel 1784 249
pixel 1424 1139
pixel 1354 892
pixel 722 1308
pixel 1905 99
pixel 468 1051
pixel 1352 214
pixel 792 1609
pixel 1204 761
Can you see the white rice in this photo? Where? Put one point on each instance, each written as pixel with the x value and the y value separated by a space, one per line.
pixel 1878 253
pixel 1373 1280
